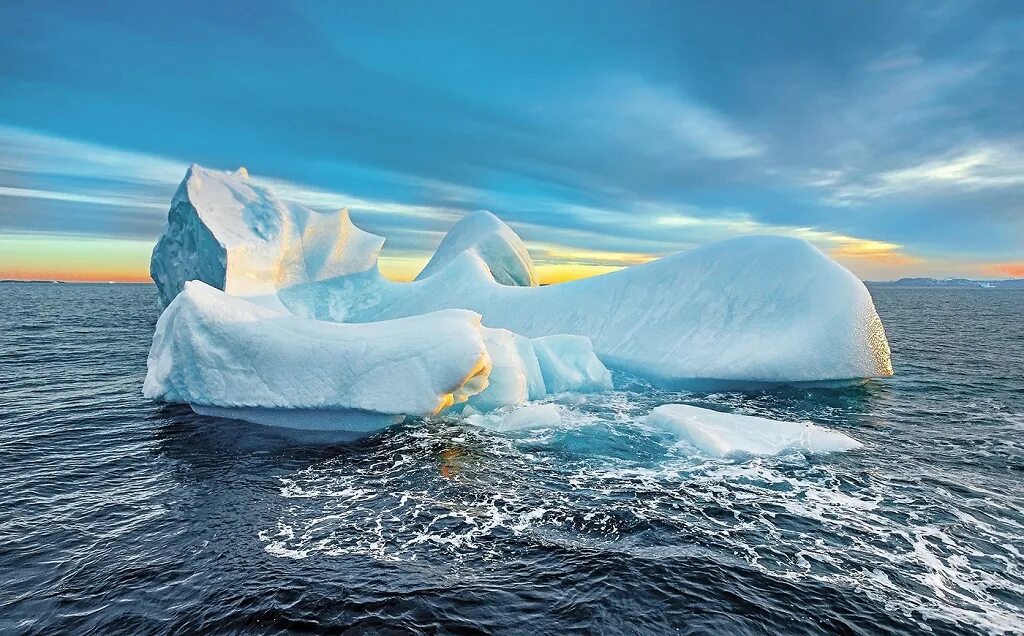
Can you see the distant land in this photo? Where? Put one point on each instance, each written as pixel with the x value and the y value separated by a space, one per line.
pixel 950 282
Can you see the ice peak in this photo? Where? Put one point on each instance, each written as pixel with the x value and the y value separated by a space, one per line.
pixel 497 245
pixel 236 235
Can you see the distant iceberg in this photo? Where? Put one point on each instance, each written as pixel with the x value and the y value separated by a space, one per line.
pixel 290 313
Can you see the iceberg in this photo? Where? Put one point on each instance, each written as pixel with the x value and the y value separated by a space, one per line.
pixel 525 369
pixel 515 375
pixel 275 312
pixel 721 434
pixel 568 363
pixel 757 309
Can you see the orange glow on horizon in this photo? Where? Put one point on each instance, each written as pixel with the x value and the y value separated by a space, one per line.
pixel 400 270
pixel 1009 270
pixel 94 259
pixel 403 270
pixel 552 274
pixel 80 276
pixel 74 258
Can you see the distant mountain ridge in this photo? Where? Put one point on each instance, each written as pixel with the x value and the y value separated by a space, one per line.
pixel 950 282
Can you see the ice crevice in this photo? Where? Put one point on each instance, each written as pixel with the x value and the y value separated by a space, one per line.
pixel 274 310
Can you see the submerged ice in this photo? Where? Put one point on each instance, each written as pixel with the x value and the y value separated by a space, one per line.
pixel 288 313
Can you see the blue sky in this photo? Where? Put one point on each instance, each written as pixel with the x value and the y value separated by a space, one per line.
pixel 889 134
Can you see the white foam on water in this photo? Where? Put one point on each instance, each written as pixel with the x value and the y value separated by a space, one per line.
pixel 452 492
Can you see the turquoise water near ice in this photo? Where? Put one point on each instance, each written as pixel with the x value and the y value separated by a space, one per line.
pixel 121 515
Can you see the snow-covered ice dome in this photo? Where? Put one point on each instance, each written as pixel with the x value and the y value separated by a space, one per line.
pixel 756 309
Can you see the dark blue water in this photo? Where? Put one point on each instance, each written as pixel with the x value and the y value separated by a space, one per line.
pixel 120 515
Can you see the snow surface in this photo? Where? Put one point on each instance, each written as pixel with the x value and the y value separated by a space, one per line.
pixel 212 349
pixel 720 434
pixel 229 357
pixel 756 309
pixel 485 235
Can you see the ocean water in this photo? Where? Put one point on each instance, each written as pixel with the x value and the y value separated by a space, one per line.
pixel 121 515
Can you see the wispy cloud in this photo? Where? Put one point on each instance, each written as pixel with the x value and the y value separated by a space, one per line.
pixel 625 129
pixel 75 197
pixel 851 250
pixel 320 199
pixel 983 167
pixel 77 172
pixel 29 152
pixel 896 61
pixel 635 112
pixel 568 239
pixel 551 253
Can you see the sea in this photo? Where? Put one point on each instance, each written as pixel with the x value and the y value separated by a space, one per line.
pixel 121 515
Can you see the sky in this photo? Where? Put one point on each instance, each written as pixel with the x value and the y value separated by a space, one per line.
pixel 889 134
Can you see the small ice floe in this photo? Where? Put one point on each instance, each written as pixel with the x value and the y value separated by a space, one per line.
pixel 529 416
pixel 721 434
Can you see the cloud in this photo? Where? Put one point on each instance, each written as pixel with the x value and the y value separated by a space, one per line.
pixel 982 167
pixel 550 253
pixel 638 112
pixel 657 228
pixel 28 152
pixel 82 179
pixel 320 199
pixel 923 119
pixel 896 61
pixel 86 182
pixel 73 197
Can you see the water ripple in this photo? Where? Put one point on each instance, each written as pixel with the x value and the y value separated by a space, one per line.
pixel 123 515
